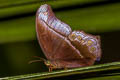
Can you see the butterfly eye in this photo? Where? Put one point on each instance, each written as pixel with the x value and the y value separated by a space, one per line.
pixel 92 49
pixel 89 42
pixel 47 63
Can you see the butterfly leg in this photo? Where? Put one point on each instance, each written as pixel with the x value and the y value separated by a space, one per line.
pixel 50 69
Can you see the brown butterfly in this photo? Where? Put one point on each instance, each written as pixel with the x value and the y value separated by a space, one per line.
pixel 63 47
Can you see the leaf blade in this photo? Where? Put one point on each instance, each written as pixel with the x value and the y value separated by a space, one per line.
pixel 45 75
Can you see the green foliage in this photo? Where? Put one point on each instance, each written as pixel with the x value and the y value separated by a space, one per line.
pixel 90 19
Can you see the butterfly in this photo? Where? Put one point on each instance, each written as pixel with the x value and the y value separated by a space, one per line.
pixel 63 47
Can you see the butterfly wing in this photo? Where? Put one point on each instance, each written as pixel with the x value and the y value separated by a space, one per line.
pixel 54 45
pixel 87 44
pixel 73 63
pixel 59 43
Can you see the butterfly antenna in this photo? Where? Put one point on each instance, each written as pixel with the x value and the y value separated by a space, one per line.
pixel 39 60
pixel 34 61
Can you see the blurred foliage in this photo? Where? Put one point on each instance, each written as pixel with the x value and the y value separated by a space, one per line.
pixel 100 18
pixel 18 37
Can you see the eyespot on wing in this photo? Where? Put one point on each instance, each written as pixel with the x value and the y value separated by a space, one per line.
pixel 89 45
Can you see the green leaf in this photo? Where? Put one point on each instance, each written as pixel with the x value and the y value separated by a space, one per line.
pixel 69 72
